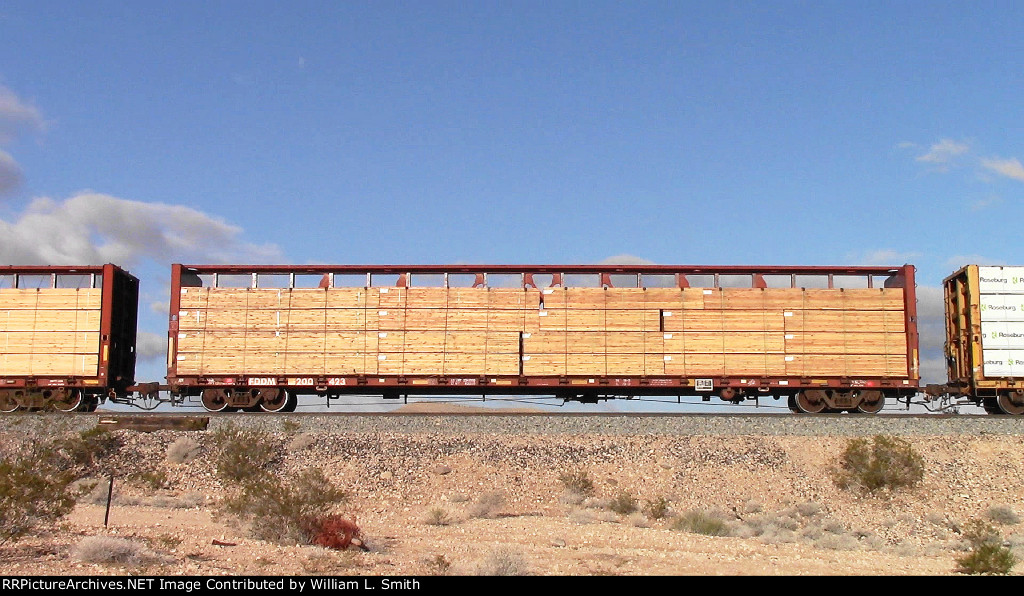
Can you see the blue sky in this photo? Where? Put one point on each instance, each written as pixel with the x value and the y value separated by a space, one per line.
pixel 735 133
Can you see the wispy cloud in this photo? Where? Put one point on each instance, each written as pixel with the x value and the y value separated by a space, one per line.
pixel 986 202
pixel 91 228
pixel 883 257
pixel 943 153
pixel 958 261
pixel 17 118
pixel 10 173
pixel 626 259
pixel 1011 168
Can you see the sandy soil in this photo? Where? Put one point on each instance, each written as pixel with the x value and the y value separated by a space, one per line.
pixel 487 504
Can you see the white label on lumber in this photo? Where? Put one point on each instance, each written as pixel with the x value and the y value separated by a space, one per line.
pixel 382 357
pixel 548 291
pixel 1001 280
pixel 1002 335
pixel 668 313
pixel 1003 363
pixel 1001 307
pixel 543 313
pixel 790 336
pixel 667 358
pixel 787 313
pixel 789 358
pixel 668 336
pixel 182 314
pixel 708 292
pixel 526 358
pixel 384 290
pixel 181 336
pixel 526 335
pixel 382 334
pixel 382 313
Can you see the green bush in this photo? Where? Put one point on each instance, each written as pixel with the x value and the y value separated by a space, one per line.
pixel 36 487
pixel 244 455
pixel 281 509
pixel 883 463
pixel 987 553
pixel 701 522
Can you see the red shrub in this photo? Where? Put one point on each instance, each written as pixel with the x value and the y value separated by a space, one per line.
pixel 334 531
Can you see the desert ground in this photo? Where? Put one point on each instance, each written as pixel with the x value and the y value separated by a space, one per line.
pixel 433 503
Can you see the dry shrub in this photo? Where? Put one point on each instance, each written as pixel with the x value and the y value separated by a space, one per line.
pixel 437 565
pixel 884 463
pixel 437 516
pixel 503 561
pixel 333 531
pixel 301 442
pixel 183 450
pixel 577 482
pixel 487 504
pixel 702 522
pixel 624 503
pixel 657 509
pixel 108 550
pixel 280 509
pixel 1003 514
pixel 244 455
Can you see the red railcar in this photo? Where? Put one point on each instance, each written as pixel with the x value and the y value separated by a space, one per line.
pixel 826 338
pixel 68 336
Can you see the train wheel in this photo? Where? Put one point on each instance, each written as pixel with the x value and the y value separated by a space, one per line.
pixel 215 400
pixel 8 402
pixel 293 401
pixel 871 402
pixel 991 405
pixel 811 401
pixel 273 400
pixel 1012 404
pixel 67 400
pixel 792 405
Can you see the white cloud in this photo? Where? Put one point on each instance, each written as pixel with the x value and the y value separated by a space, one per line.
pixel 1011 168
pixel 883 257
pixel 92 228
pixel 958 261
pixel 986 202
pixel 625 259
pixel 10 173
pixel 943 153
pixel 150 346
pixel 17 117
pixel 931 322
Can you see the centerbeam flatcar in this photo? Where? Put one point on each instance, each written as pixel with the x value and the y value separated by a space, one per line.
pixel 67 336
pixel 826 338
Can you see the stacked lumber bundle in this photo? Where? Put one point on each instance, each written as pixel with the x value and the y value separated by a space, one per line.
pixel 718 332
pixel 50 332
pixel 339 331
pixel 551 332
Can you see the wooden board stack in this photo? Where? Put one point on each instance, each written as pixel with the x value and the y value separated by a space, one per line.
pixel 550 332
pixel 50 332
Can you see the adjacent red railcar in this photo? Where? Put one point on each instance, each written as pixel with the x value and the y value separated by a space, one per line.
pixel 68 336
